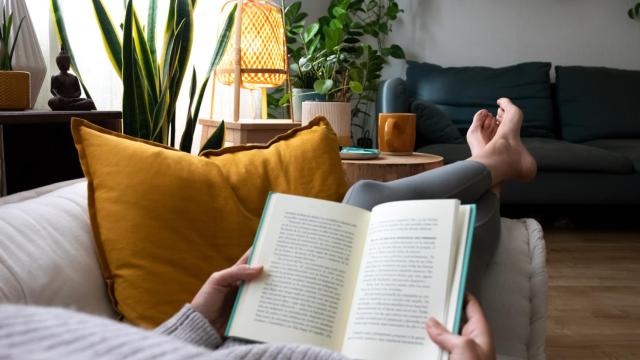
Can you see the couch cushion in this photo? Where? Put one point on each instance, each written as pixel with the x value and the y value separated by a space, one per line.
pixel 47 253
pixel 597 103
pixel 433 126
pixel 164 220
pixel 461 91
pixel 551 155
pixel 627 147
pixel 514 293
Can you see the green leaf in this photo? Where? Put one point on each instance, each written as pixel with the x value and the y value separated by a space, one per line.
pixel 356 87
pixel 144 57
pixel 129 101
pixel 293 9
pixel 189 127
pixel 338 11
pixel 284 99
pixel 223 40
pixel 15 41
pixel 109 36
pixel 323 86
pixel 63 38
pixel 216 140
pixel 336 24
pixel 152 14
pixel 396 52
pixel 311 32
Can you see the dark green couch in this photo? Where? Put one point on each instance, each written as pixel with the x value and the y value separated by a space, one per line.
pixel 584 131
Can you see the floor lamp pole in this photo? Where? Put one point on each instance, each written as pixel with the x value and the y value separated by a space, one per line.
pixel 237 63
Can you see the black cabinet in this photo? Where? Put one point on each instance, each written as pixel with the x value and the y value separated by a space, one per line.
pixel 37 149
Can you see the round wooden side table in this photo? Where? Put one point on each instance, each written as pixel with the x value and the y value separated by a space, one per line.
pixel 390 167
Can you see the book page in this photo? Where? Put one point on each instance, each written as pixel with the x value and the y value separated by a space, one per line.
pixel 402 281
pixel 311 252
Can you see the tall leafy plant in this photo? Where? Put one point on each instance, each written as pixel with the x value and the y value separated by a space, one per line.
pixel 152 79
pixel 335 55
pixel 6 47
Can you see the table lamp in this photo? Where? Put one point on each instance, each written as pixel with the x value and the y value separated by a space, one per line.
pixel 256 58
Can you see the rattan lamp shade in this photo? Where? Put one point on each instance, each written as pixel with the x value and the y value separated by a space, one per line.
pixel 263 52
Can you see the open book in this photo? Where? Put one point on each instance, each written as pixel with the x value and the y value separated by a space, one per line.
pixel 357 282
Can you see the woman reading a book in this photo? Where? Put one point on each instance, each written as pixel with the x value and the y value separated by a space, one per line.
pixel 196 332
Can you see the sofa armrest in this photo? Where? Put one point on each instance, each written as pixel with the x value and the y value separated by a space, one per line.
pixel 392 96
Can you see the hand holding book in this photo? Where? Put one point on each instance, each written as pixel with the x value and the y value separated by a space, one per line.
pixel 215 299
pixel 364 281
pixel 216 296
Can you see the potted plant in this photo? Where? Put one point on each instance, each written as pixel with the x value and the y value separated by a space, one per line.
pixel 15 92
pixel 333 58
pixel 152 77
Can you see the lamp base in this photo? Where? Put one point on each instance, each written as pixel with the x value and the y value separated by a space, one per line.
pixel 247 131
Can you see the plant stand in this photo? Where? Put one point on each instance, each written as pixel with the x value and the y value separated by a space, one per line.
pixel 254 131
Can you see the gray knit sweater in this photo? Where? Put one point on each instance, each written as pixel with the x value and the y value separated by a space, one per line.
pixel 32 332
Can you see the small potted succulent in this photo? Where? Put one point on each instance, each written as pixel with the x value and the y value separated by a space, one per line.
pixel 15 92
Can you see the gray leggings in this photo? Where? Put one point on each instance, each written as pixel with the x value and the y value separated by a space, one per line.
pixel 468 181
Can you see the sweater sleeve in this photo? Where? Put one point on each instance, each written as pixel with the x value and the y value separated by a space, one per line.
pixel 189 326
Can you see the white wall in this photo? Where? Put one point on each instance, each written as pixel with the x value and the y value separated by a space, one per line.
pixel 504 32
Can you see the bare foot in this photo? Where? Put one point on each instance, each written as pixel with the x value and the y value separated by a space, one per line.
pixel 482 130
pixel 504 155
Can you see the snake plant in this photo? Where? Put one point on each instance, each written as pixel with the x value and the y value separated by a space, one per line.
pixel 6 47
pixel 152 80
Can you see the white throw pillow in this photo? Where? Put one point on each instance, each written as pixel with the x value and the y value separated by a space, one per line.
pixel 47 252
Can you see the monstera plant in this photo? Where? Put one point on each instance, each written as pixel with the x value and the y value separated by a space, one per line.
pixel 152 79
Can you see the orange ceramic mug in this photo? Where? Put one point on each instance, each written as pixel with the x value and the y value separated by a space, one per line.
pixel 397 133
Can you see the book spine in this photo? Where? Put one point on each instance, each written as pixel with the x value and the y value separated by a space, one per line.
pixel 465 267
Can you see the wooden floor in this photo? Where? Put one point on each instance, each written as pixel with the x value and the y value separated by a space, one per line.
pixel 594 294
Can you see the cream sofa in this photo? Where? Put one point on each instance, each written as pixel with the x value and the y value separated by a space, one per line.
pixel 47 257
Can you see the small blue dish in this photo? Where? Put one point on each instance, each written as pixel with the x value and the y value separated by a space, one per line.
pixel 355 153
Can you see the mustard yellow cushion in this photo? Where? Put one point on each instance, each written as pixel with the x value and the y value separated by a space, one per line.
pixel 164 220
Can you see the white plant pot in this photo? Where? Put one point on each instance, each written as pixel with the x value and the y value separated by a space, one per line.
pixel 28 55
pixel 337 113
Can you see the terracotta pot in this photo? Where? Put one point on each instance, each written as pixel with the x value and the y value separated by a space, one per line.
pixel 337 113
pixel 15 90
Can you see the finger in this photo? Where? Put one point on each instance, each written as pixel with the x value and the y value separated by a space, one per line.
pixel 477 321
pixel 441 336
pixel 473 309
pixel 244 258
pixel 235 274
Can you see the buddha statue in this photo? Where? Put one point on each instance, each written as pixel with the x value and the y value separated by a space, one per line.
pixel 65 88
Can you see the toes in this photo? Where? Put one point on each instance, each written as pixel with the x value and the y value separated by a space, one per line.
pixel 488 122
pixel 504 103
pixel 480 116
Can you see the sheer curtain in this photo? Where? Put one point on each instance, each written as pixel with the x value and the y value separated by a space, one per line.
pixel 96 70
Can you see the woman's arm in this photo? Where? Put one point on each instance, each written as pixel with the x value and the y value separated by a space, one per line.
pixel 204 320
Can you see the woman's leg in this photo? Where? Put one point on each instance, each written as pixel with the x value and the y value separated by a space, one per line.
pixel 497 155
pixel 468 181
